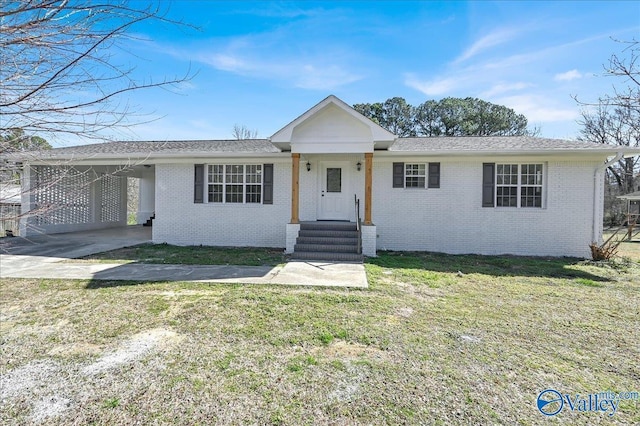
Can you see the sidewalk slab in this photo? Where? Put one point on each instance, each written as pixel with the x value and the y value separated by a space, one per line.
pixel 292 273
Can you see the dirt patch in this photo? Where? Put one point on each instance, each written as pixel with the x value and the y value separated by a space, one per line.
pixel 349 385
pixel 50 384
pixel 404 312
pixel 423 293
pixel 26 378
pixel 51 406
pixel 134 348
pixel 342 350
pixel 75 349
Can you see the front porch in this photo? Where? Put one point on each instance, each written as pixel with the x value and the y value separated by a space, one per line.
pixel 328 240
pixel 334 219
pixel 332 149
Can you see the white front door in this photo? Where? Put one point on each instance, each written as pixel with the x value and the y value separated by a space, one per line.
pixel 334 191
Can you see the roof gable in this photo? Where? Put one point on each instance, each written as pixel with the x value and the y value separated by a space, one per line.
pixel 332 126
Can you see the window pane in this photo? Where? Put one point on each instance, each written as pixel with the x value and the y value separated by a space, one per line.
pixel 254 174
pixel 234 173
pixel 215 193
pixel 415 175
pixel 507 185
pixel 507 196
pixel 531 190
pixel 414 182
pixel 233 193
pixel 215 173
pixel 254 194
pixel 334 180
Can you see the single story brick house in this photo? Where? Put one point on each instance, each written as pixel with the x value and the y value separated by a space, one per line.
pixel 305 188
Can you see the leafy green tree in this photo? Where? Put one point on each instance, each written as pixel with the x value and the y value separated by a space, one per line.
pixel 13 140
pixel 371 111
pixel 427 119
pixel 446 117
pixel 397 117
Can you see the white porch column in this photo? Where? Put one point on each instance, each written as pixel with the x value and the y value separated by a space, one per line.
pixel 146 196
pixel 27 200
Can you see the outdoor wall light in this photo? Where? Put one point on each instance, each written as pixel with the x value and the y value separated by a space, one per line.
pixel 359 166
pixel 308 166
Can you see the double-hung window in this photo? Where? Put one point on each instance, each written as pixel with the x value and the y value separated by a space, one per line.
pixel 234 183
pixel 415 175
pixel 519 185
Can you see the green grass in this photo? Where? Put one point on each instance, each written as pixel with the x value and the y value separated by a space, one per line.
pixel 436 339
pixel 190 255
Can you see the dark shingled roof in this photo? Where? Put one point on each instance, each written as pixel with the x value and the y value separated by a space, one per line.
pixel 490 143
pixel 119 149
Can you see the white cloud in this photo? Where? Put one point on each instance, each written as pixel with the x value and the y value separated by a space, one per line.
pixel 538 108
pixel 568 76
pixel 315 73
pixel 495 38
pixel 435 87
pixel 501 88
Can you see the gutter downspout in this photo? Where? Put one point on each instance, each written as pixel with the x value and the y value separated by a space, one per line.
pixel 596 226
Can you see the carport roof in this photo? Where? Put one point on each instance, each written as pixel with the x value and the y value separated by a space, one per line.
pixel 151 149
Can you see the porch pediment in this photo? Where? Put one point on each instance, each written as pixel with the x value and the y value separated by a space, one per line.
pixel 332 126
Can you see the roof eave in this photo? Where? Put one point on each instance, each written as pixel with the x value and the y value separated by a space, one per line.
pixel 505 152
pixel 145 157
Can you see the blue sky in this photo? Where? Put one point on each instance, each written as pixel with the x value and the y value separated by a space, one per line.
pixel 261 64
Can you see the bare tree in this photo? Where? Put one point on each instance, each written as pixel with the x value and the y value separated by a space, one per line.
pixel 57 75
pixel 615 119
pixel 241 132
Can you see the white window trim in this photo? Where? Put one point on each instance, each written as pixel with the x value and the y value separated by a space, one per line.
pixel 224 184
pixel 519 185
pixel 425 176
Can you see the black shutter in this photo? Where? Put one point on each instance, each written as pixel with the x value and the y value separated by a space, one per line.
pixel 198 183
pixel 398 175
pixel 267 184
pixel 434 175
pixel 488 184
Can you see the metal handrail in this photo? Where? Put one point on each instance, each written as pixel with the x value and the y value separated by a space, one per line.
pixel 358 222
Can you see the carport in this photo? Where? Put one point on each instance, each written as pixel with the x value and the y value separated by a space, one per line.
pixel 66 198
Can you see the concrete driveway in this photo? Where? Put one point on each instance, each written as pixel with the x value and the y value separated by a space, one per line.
pixel 72 245
pixel 40 257
pixel 19 255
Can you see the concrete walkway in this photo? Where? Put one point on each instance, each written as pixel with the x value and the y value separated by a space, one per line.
pixel 48 256
pixel 292 273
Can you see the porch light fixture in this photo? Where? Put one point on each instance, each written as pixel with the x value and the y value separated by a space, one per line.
pixel 359 166
pixel 308 166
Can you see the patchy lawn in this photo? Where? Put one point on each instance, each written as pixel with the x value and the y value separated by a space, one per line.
pixel 190 255
pixel 437 339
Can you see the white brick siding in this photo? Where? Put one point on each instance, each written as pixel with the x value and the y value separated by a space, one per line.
pixel 180 221
pixel 369 240
pixel 448 219
pixel 451 219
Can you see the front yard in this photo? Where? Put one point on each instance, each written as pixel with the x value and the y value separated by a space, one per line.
pixel 436 339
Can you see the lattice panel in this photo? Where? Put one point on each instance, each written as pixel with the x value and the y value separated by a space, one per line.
pixel 62 196
pixel 111 198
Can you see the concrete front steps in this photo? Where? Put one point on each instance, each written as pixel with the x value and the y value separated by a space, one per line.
pixel 327 240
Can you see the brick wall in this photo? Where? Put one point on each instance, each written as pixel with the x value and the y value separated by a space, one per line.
pixel 450 219
pixel 182 222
